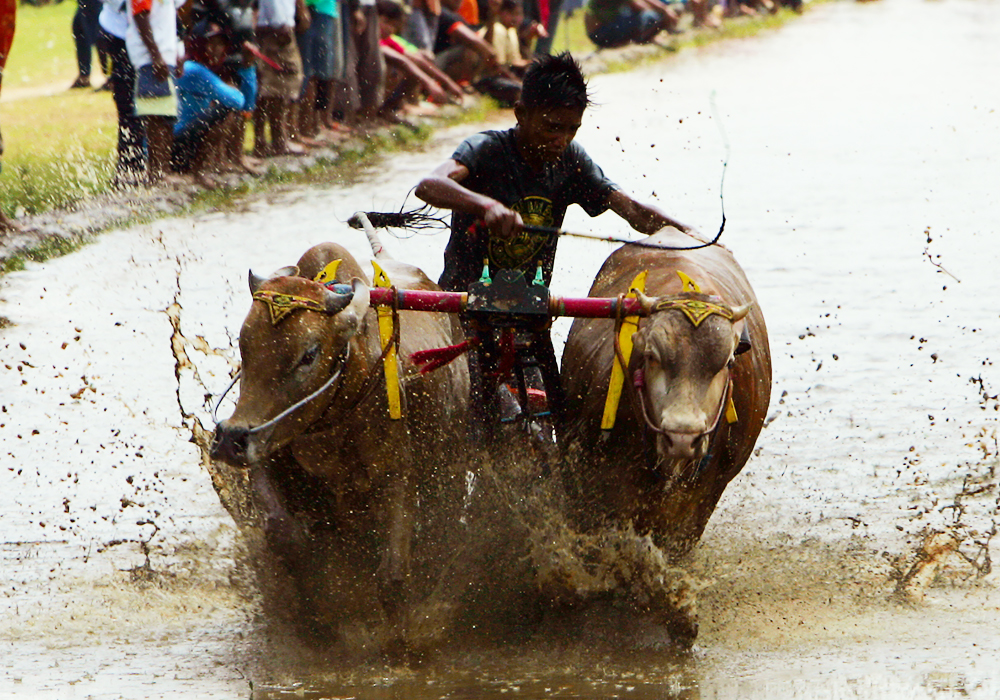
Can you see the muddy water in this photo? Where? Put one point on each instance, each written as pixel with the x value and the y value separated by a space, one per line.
pixel 860 191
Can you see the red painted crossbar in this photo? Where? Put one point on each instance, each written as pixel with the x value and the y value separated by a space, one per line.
pixel 455 302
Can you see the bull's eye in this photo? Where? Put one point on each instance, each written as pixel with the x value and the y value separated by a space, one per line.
pixel 309 357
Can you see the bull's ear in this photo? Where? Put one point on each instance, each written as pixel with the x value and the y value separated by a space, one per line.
pixel 639 343
pixel 740 312
pixel 255 282
pixel 289 271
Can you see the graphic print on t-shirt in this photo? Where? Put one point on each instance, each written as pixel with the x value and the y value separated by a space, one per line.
pixel 523 248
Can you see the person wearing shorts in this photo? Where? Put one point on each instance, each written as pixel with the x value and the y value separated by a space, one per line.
pixel 151 41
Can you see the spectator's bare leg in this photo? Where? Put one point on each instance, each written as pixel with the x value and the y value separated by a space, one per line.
pixel 308 123
pixel 159 138
pixel 234 153
pixel 281 144
pixel 261 116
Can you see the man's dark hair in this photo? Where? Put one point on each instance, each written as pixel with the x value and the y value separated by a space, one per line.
pixel 553 82
pixel 390 9
pixel 510 5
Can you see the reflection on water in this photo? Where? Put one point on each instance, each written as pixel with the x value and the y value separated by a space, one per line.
pixel 864 142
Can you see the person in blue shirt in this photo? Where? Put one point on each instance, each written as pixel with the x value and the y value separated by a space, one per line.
pixel 211 93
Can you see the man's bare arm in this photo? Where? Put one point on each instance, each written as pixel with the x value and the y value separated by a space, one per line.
pixel 443 189
pixel 160 69
pixel 644 218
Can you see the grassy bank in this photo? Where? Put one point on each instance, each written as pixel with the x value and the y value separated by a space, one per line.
pixel 60 146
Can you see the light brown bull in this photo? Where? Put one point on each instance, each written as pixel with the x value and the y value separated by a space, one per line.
pixel 677 441
pixel 337 462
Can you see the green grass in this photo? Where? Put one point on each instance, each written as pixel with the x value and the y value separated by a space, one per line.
pixel 43 52
pixel 59 149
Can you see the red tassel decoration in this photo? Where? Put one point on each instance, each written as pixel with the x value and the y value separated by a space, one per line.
pixel 430 360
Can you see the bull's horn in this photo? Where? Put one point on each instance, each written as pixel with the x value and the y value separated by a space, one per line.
pixel 255 282
pixel 740 312
pixel 335 303
pixel 645 303
pixel 288 271
pixel 356 304
pixel 359 305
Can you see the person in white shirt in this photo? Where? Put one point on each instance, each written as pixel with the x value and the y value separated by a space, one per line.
pixel 151 40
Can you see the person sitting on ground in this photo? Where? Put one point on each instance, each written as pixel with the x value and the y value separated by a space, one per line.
pixel 411 74
pixel 497 181
pixel 278 86
pixel 466 56
pixel 207 103
pixel 506 35
pixel 613 23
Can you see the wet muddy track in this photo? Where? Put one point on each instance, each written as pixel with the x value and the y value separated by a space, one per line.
pixel 858 198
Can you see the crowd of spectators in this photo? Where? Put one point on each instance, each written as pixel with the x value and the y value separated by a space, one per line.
pixel 187 76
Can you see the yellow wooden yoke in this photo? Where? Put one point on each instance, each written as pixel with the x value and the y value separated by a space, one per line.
pixel 386 333
pixel 630 324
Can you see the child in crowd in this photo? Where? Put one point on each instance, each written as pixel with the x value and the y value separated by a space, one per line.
pixel 512 37
pixel 411 74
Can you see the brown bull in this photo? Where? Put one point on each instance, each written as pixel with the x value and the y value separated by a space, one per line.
pixel 337 462
pixel 677 441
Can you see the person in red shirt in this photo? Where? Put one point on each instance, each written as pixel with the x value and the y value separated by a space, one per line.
pixel 8 12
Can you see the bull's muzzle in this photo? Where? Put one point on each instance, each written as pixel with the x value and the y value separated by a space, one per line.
pixel 230 443
pixel 687 446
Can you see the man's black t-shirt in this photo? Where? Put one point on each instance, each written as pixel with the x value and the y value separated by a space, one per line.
pixel 446 24
pixel 497 170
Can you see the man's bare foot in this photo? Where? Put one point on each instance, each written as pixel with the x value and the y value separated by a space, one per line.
pixel 421 109
pixel 333 125
pixel 252 166
pixel 174 180
pixel 332 138
pixel 288 149
pixel 206 181
pixel 308 142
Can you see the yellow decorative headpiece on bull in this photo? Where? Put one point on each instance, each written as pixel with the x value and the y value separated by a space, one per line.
pixel 696 310
pixel 280 304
